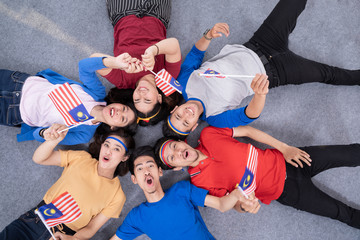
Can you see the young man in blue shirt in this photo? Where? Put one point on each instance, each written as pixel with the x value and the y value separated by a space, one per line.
pixel 175 210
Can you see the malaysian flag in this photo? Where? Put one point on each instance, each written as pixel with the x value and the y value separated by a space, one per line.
pixel 167 83
pixel 248 183
pixel 210 71
pixel 63 209
pixel 69 105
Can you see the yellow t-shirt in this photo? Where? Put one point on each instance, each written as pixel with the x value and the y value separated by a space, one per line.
pixel 93 194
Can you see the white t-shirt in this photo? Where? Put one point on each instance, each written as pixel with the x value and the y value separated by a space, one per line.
pixel 37 109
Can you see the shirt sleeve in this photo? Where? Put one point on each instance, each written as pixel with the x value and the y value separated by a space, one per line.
pixel 218 192
pixel 173 68
pixel 197 195
pixel 87 75
pixel 230 119
pixel 128 229
pixel 113 210
pixel 192 62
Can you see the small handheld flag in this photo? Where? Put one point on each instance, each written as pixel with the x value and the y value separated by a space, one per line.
pixel 166 83
pixel 63 209
pixel 43 221
pixel 69 105
pixel 212 73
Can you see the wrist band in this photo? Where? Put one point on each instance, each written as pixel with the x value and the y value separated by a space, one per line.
pixel 157 53
pixel 41 132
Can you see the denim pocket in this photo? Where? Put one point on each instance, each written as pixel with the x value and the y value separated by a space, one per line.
pixel 13 116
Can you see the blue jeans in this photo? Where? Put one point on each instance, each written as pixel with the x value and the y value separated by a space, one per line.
pixel 27 227
pixel 11 83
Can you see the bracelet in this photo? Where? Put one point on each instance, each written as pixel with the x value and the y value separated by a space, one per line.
pixel 41 132
pixel 157 53
pixel 206 32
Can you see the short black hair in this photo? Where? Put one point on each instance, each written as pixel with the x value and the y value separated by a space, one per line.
pixel 138 152
pixel 157 147
pixel 168 132
pixel 101 134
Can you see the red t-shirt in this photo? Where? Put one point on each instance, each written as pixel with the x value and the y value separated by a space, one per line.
pixel 226 162
pixel 134 35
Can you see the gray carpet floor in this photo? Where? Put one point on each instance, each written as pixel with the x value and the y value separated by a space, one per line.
pixel 40 34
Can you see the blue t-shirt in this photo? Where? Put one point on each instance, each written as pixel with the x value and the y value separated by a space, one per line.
pixel 175 216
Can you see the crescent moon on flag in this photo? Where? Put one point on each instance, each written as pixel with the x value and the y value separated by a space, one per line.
pixel 52 212
pixel 82 116
pixel 176 83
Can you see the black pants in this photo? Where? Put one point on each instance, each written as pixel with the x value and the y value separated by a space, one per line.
pixel 300 192
pixel 272 40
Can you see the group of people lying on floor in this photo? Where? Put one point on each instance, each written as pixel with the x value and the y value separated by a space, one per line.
pixel 249 174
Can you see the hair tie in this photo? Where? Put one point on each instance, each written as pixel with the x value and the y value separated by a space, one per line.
pixel 118 140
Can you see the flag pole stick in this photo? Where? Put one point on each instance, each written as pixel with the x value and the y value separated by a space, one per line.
pixel 43 221
pixel 224 75
pixel 75 125
pixel 163 80
pixel 242 191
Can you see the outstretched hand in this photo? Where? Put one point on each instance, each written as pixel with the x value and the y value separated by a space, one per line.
pixel 218 30
pixel 52 133
pixel 260 84
pixel 296 156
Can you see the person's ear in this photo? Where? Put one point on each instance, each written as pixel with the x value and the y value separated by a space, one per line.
pixel 125 158
pixel 177 169
pixel 112 127
pixel 160 172
pixel 194 127
pixel 174 109
pixel 160 98
pixel 133 179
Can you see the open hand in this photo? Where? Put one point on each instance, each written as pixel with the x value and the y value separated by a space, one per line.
pixel 296 156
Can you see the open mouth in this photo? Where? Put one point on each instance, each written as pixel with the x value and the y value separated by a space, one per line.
pixel 186 154
pixel 112 111
pixel 149 180
pixel 106 159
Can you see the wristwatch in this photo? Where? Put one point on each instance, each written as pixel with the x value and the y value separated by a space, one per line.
pixel 204 34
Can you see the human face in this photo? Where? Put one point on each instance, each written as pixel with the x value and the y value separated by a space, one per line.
pixel 146 95
pixel 185 117
pixel 112 153
pixel 178 154
pixel 147 174
pixel 118 115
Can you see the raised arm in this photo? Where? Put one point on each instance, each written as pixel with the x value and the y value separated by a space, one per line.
pixel 123 62
pixel 260 85
pixel 224 203
pixel 216 31
pixel 170 47
pixel 45 154
pixel 292 155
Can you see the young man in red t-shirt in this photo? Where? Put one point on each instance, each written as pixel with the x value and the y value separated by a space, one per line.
pixel 220 162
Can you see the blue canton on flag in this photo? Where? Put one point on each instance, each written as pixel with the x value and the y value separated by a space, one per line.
pixel 49 211
pixel 210 71
pixel 246 180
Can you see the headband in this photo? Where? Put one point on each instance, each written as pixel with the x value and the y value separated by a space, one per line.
pixel 161 152
pixel 176 130
pixel 121 142
pixel 147 119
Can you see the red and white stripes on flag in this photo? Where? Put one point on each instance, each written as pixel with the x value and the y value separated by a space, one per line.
pixel 65 99
pixel 252 163
pixel 162 80
pixel 68 207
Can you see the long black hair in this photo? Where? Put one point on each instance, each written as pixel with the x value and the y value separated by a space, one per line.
pixel 103 132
